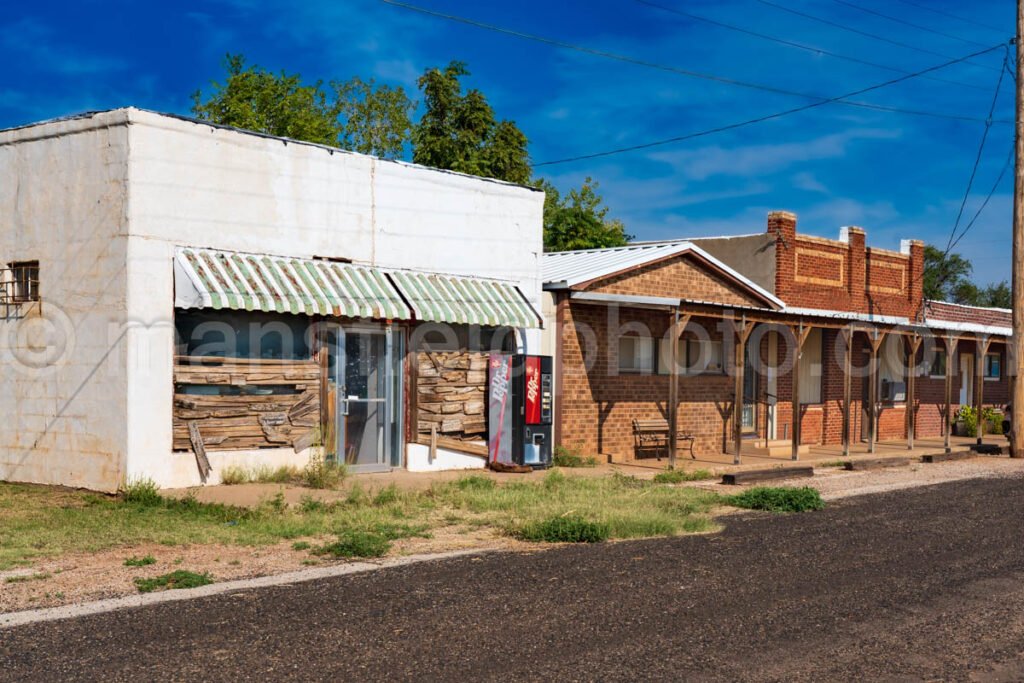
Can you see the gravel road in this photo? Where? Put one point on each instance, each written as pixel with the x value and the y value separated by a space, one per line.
pixel 919 584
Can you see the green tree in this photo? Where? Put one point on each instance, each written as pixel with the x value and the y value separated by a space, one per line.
pixel 458 130
pixel 944 274
pixel 376 117
pixel 356 114
pixel 947 277
pixel 579 220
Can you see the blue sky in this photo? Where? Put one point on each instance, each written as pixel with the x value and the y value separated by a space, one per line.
pixel 896 175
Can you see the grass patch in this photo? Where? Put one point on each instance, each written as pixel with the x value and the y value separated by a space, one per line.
pixel 181 578
pixel 355 543
pixel 39 521
pixel 832 463
pixel 24 578
pixel 679 476
pixel 564 457
pixel 139 561
pixel 285 474
pixel 778 499
pixel 563 530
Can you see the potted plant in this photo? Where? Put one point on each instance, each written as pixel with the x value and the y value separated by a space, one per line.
pixel 965 422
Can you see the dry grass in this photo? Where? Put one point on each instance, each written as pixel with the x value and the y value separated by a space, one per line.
pixel 37 521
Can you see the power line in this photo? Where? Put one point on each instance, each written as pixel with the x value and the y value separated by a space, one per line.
pixel 673 69
pixel 995 185
pixel 907 23
pixel 760 119
pixel 799 46
pixel 951 15
pixel 977 158
pixel 844 27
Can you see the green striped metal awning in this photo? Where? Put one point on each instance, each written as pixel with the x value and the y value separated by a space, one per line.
pixel 211 278
pixel 455 299
pixel 208 278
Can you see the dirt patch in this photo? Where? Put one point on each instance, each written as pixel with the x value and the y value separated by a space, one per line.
pixel 83 577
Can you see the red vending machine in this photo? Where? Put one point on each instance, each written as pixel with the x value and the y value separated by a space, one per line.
pixel 520 407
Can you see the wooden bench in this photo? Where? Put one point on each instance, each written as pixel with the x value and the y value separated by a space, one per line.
pixel 652 435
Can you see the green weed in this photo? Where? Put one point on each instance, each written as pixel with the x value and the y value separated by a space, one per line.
pixel 139 561
pixel 679 476
pixel 778 499
pixel 181 578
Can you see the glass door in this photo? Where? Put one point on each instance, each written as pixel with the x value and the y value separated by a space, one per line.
pixel 365 388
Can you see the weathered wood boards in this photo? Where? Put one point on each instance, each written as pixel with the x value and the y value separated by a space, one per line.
pixel 754 476
pixel 876 463
pixel 253 417
pixel 451 391
pixel 961 454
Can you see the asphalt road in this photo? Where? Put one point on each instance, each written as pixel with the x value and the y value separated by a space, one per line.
pixel 920 584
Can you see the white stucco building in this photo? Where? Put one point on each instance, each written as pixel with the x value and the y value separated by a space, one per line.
pixel 143 227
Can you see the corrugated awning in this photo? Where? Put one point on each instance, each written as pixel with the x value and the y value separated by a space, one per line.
pixel 474 301
pixel 252 282
pixel 210 278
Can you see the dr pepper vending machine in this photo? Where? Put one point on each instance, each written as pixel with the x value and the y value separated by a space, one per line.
pixel 519 415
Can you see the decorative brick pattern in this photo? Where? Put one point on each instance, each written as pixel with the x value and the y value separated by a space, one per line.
pixel 678 277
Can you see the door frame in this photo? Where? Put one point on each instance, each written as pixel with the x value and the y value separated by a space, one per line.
pixel 392 365
pixel 966 373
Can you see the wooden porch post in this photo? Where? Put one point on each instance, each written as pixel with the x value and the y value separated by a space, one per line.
pixel 800 333
pixel 743 330
pixel 980 350
pixel 914 343
pixel 678 325
pixel 951 344
pixel 847 371
pixel 876 340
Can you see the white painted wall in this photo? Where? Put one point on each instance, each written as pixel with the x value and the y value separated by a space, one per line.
pixel 63 201
pixel 418 460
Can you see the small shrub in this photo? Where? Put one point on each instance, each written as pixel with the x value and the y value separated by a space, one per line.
pixel 285 474
pixel 778 499
pixel 142 492
pixel 565 457
pixel 301 545
pixel 180 578
pixel 309 504
pixel 678 476
pixel 321 473
pixel 387 495
pixel 234 475
pixel 276 503
pixel 568 529
pixel 356 543
pixel 139 561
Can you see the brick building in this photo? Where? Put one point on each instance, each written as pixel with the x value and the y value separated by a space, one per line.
pixel 753 316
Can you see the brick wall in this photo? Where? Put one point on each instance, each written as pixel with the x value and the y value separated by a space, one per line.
pixel 677 277
pixel 598 405
pixel 845 274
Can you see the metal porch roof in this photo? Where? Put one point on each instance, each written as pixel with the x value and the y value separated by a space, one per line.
pixel 211 278
pixel 258 282
pixel 456 299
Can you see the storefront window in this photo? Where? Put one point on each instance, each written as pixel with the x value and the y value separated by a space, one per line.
pixel 242 334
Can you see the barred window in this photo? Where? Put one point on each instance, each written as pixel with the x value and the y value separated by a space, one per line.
pixel 21 282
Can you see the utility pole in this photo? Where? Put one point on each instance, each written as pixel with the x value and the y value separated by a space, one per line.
pixel 1017 412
